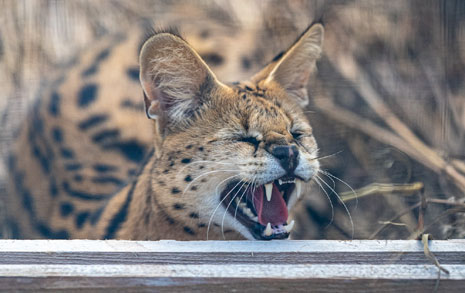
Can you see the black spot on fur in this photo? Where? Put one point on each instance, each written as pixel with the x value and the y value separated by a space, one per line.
pixel 66 209
pixel 87 95
pixel 83 195
pixel 201 149
pixel 73 167
pixel 201 225
pixel 44 158
pixel 166 171
pixel 67 153
pixel 48 233
pixel 131 150
pixel 213 59
pixel 186 160
pixel 194 188
pixel 121 215
pixel 54 106
pixel 188 178
pixel 133 73
pixel 57 134
pixel 90 70
pixel 170 220
pixel 107 179
pixel 96 216
pixel 246 64
pixel 92 121
pixel 99 58
pixel 175 190
pixel 127 103
pixel 13 226
pixel 178 206
pixel 78 178
pixel 189 146
pixel 188 230
pixel 104 168
pixel 53 187
pixel 194 215
pixel 104 135
pixel 81 219
pixel 204 34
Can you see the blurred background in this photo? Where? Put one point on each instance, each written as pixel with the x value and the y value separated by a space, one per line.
pixel 387 103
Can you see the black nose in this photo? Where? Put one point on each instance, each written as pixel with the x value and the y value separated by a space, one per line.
pixel 287 156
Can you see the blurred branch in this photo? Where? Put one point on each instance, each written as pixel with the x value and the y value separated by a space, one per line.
pixel 382 188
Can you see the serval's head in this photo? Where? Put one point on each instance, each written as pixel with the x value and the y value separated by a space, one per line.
pixel 233 156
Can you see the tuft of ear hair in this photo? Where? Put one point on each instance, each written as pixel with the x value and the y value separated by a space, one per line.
pixel 292 70
pixel 174 78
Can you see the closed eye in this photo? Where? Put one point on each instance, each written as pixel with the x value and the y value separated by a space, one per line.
pixel 297 135
pixel 250 140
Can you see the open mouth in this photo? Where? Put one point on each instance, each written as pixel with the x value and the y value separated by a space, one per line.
pixel 262 209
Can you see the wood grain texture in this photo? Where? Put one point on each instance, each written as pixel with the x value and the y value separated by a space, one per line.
pixel 212 266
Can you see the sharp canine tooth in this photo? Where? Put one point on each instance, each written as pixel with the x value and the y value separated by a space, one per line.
pixel 268 230
pixel 280 182
pixel 298 187
pixel 289 227
pixel 269 191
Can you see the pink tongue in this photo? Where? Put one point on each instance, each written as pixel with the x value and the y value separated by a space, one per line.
pixel 273 211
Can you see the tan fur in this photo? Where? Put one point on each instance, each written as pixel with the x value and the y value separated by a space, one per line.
pixel 198 124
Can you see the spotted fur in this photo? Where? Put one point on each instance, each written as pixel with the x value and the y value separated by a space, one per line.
pixel 88 163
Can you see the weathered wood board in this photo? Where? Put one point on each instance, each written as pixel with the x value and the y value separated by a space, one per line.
pixel 302 266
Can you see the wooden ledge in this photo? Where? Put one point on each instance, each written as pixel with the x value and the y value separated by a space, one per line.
pixel 322 265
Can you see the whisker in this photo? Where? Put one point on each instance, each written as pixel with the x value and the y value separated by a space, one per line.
pixel 302 146
pixel 334 183
pixel 227 207
pixel 328 156
pixel 342 202
pixel 219 204
pixel 253 195
pixel 330 202
pixel 219 184
pixel 343 182
pixel 250 185
pixel 309 111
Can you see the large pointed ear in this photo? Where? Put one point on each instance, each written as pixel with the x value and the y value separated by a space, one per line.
pixel 174 79
pixel 292 71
